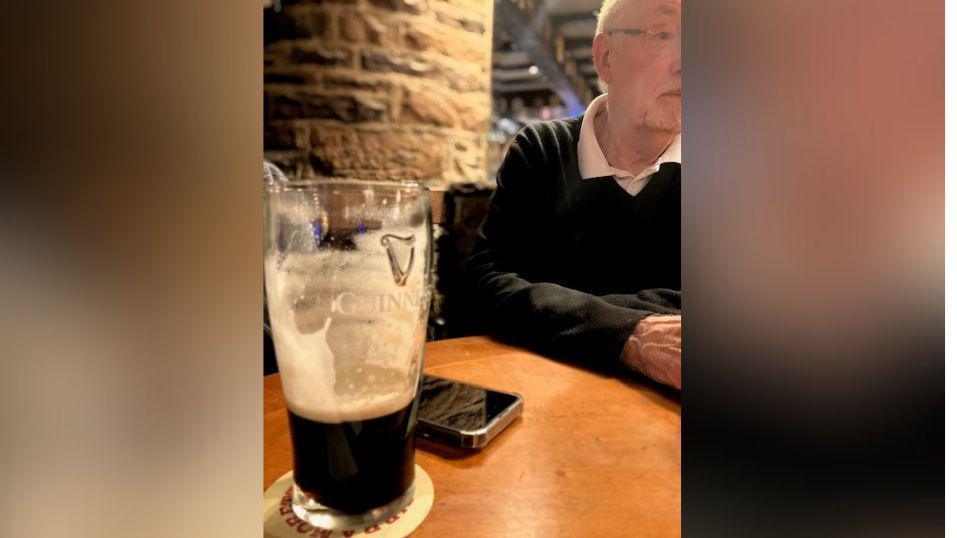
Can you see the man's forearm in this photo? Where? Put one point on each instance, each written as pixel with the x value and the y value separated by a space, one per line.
pixel 654 349
pixel 556 319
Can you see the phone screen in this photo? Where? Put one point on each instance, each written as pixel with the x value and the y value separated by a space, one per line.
pixel 460 406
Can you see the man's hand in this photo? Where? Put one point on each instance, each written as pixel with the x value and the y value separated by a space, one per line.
pixel 654 349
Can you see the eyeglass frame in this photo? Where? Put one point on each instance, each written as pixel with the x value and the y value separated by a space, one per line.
pixel 636 31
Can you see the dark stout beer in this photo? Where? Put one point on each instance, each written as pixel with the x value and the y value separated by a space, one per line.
pixel 354 466
pixel 348 282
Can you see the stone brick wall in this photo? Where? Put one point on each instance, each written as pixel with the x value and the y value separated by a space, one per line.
pixel 383 89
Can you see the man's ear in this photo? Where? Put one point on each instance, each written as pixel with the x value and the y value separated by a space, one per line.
pixel 600 52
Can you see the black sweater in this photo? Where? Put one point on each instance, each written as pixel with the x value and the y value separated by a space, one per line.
pixel 570 266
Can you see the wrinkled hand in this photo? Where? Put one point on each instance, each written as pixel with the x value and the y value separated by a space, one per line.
pixel 654 349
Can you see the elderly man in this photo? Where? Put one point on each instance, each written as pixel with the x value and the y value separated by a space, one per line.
pixel 580 253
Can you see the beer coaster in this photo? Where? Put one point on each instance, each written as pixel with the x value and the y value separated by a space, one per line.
pixel 279 521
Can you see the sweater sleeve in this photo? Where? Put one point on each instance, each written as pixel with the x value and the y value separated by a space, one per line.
pixel 556 320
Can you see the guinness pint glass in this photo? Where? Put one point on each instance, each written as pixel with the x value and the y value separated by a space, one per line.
pixel 348 284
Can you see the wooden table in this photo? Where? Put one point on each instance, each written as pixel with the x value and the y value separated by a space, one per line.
pixel 592 455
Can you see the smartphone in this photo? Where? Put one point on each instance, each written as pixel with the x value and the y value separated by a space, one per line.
pixel 463 414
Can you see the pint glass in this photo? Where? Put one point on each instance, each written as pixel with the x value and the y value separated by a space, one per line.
pixel 348 284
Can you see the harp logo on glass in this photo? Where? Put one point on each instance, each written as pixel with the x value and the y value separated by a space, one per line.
pixel 401 251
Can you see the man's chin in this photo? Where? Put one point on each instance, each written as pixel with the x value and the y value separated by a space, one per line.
pixel 665 120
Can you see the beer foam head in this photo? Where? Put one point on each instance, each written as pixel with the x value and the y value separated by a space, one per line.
pixel 348 335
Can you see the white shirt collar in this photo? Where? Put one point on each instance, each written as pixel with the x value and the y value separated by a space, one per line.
pixel 592 162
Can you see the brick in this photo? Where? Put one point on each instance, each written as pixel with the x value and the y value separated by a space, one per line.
pixel 320 55
pixel 446 109
pixel 467 80
pixel 351 80
pixel 463 23
pixel 446 41
pixel 374 28
pixel 406 6
pixel 467 156
pixel 473 111
pixel 318 2
pixel 348 108
pixel 351 28
pixel 285 137
pixel 378 32
pixel 478 6
pixel 277 53
pixel 467 166
pixel 396 62
pixel 290 75
pixel 299 22
pixel 433 108
pixel 377 154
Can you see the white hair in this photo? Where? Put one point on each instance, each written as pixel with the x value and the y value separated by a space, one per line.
pixel 609 8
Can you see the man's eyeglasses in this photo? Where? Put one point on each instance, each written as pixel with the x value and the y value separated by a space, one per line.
pixel 658 39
